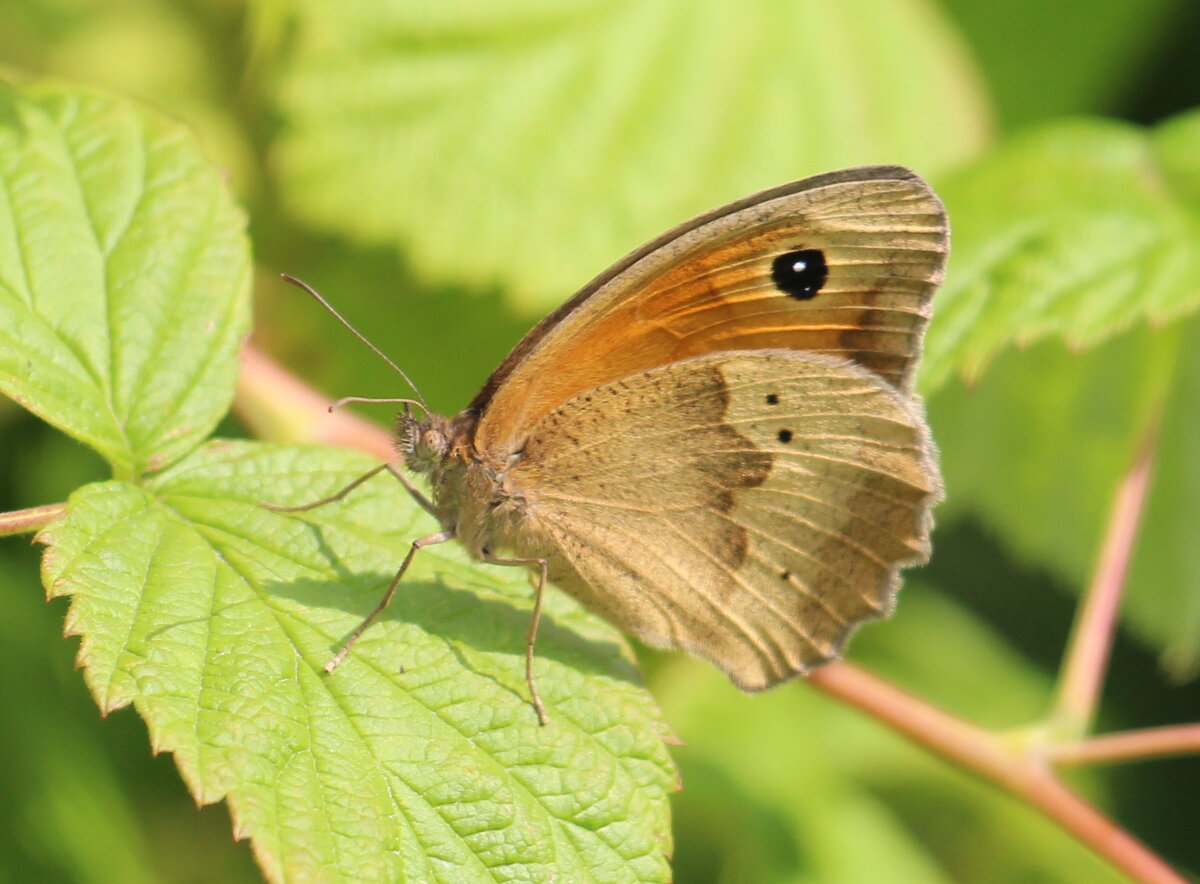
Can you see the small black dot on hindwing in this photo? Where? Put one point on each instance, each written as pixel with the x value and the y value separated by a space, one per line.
pixel 785 575
pixel 772 399
pixel 785 436
pixel 800 274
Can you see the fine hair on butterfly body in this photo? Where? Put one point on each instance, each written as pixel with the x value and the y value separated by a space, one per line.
pixel 715 444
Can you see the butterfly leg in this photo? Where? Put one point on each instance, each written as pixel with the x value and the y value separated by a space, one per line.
pixel 413 491
pixel 337 495
pixel 430 540
pixel 531 636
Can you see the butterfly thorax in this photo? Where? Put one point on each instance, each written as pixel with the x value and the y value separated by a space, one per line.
pixel 470 496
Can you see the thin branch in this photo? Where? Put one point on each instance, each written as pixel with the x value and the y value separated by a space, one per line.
pixel 32 520
pixel 986 755
pixel 1139 745
pixel 1086 659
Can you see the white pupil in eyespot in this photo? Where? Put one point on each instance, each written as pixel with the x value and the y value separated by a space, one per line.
pixel 799 267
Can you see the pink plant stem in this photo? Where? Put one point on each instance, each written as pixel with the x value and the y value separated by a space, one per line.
pixel 1086 660
pixel 277 406
pixel 30 520
pixel 1024 775
pixel 1154 742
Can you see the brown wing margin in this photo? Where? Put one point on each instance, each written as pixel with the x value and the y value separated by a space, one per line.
pixel 539 331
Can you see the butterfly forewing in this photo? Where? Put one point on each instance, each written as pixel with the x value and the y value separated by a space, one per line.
pixel 842 265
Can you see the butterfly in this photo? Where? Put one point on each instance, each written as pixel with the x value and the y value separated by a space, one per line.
pixel 715 444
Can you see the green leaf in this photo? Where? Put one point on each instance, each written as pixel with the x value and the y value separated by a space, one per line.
pixel 420 757
pixel 124 272
pixel 532 144
pixel 1074 231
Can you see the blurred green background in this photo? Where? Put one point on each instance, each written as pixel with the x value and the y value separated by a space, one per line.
pixel 444 224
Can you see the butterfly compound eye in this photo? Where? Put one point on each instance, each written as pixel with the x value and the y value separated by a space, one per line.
pixel 800 274
pixel 433 441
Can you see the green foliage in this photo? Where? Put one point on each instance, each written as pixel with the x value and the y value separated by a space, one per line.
pixel 214 616
pixel 814 782
pixel 420 758
pixel 129 345
pixel 485 139
pixel 445 172
pixel 1084 234
pixel 1071 56
pixel 1084 416
pixel 62 792
pixel 1076 231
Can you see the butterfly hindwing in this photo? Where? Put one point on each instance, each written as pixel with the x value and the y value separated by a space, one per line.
pixel 751 508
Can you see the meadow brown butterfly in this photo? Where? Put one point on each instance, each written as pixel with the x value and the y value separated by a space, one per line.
pixel 715 444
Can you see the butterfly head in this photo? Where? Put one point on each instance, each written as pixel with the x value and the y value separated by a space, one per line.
pixel 422 442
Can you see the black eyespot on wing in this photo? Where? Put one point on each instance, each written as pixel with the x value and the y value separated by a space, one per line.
pixel 772 399
pixel 785 575
pixel 800 274
pixel 785 436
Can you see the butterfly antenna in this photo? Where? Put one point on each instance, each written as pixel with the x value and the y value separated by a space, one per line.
pixel 320 300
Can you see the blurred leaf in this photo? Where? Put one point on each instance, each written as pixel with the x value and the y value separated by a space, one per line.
pixel 841 798
pixel 1163 589
pixel 1072 56
pixel 532 144
pixel 1039 445
pixel 1175 144
pixel 66 814
pixel 1074 231
pixel 420 758
pixel 183 58
pixel 123 275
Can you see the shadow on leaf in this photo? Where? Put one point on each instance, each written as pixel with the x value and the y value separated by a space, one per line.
pixel 463 620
